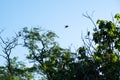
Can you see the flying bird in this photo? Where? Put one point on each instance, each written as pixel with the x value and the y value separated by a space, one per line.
pixel 66 26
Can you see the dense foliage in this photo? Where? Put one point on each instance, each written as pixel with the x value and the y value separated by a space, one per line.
pixel 98 59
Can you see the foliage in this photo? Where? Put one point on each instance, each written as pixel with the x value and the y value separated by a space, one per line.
pixel 107 39
pixel 92 62
pixel 98 59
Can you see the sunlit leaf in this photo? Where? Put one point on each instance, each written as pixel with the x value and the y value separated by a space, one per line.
pixel 115 58
pixel 117 16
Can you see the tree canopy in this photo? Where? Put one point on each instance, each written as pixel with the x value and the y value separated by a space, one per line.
pixel 97 59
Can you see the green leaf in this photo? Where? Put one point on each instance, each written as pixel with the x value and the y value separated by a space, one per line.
pixel 117 16
pixel 115 58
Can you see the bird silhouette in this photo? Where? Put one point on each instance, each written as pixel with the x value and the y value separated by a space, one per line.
pixel 66 26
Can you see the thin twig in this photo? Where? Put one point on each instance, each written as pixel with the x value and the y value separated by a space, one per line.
pixel 90 18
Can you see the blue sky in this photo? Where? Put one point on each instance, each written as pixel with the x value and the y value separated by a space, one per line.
pixel 54 15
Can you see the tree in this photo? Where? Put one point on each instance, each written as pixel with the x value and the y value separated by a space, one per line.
pixel 107 39
pixel 50 57
pixel 13 69
pixel 98 59
pixel 106 47
pixel 55 62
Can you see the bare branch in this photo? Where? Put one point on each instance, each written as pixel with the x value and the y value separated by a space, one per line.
pixel 1 31
pixel 88 43
pixel 7 46
pixel 3 56
pixel 112 17
pixel 2 40
pixel 90 18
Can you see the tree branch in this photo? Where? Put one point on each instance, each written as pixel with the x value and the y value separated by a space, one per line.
pixel 90 18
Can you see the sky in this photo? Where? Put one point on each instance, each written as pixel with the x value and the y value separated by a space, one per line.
pixel 54 15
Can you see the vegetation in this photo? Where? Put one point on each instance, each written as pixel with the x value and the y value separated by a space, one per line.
pixel 98 59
